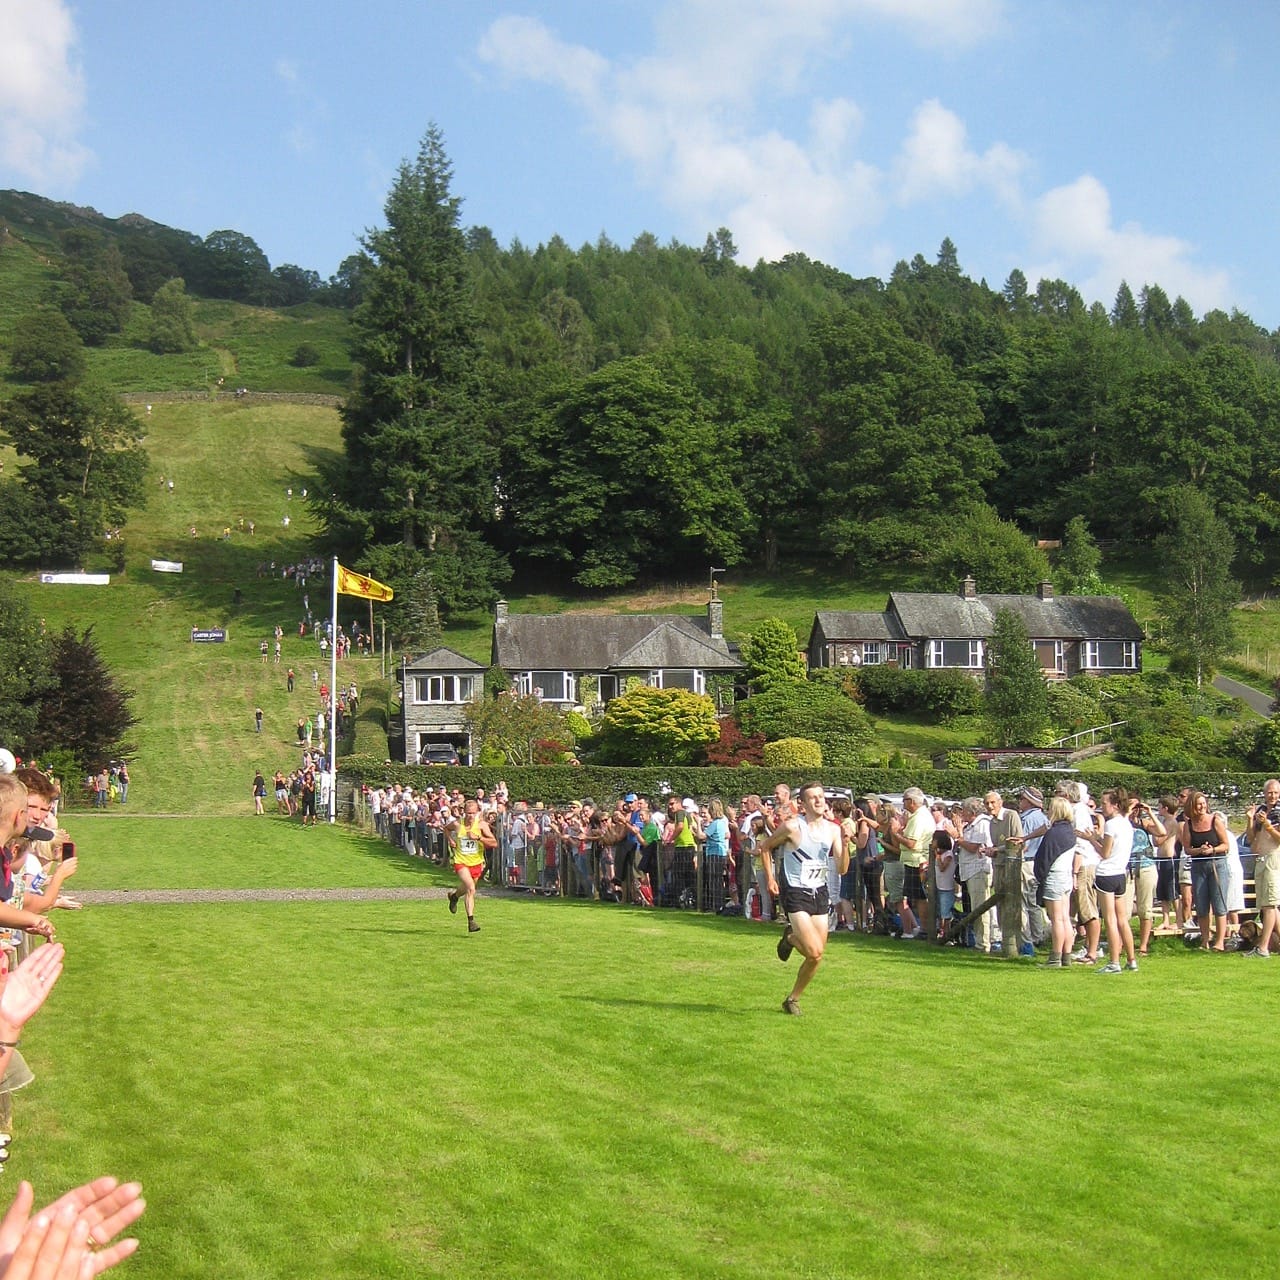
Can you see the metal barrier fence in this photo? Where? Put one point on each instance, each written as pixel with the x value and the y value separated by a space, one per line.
pixel 550 864
pixel 660 875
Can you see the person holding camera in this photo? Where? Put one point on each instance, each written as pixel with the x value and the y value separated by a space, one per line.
pixel 1264 841
pixel 1204 836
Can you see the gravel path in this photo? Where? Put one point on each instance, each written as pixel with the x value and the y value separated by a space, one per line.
pixel 112 897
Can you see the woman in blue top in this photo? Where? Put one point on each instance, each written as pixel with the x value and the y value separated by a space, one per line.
pixel 716 852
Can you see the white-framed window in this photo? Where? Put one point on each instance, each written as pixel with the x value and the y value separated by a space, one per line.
pixel 955 653
pixel 1110 655
pixel 872 653
pixel 906 655
pixel 443 688
pixel 681 678
pixel 548 686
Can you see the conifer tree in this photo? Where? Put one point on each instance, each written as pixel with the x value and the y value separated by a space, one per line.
pixel 419 462
pixel 1017 701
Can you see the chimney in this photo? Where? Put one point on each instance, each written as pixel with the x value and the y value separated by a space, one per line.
pixel 500 612
pixel 1045 590
pixel 715 618
pixel 969 589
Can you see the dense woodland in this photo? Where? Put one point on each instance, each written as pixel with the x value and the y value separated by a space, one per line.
pixel 606 414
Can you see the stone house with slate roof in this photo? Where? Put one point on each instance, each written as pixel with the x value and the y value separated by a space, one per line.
pixel 585 659
pixel 435 691
pixel 1095 635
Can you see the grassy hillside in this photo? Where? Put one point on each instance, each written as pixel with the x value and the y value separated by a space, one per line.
pixel 234 459
pixel 197 747
pixel 231 460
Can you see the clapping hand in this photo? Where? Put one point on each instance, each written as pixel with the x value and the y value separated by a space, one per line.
pixel 27 986
pixel 68 1240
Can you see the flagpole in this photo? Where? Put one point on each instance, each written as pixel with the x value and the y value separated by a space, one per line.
pixel 333 702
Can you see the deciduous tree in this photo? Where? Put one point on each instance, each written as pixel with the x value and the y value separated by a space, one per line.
pixel 25 678
pixel 89 467
pixel 172 319
pixel 515 725
pixel 45 348
pixel 84 710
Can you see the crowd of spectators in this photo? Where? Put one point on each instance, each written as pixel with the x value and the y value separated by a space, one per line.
pixel 1016 875
pixel 76 1235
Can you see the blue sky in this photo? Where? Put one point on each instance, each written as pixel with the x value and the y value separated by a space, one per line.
pixel 1091 141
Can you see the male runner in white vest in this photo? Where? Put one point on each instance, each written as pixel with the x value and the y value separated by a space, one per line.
pixel 807 840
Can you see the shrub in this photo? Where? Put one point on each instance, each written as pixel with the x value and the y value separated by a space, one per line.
pixel 305 356
pixel 1150 749
pixel 734 747
pixel 792 753
pixel 578 725
pixel 557 784
pixel 649 726
pixel 908 691
pixel 809 710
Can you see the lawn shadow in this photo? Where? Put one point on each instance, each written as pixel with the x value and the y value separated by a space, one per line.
pixel 626 1002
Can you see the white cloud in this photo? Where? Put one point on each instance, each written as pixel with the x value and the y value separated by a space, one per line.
pixel 684 116
pixel 936 160
pixel 307 107
pixel 524 48
pixel 1077 241
pixel 42 93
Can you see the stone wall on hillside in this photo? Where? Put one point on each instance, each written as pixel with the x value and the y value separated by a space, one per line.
pixel 248 397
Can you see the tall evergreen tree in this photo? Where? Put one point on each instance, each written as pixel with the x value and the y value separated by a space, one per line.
pixel 419 462
pixel 771 655
pixel 1196 557
pixel 1124 314
pixel 1079 560
pixel 1017 701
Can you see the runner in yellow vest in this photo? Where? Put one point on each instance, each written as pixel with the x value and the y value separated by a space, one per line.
pixel 472 836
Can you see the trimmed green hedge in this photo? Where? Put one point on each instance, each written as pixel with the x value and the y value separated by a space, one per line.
pixel 558 784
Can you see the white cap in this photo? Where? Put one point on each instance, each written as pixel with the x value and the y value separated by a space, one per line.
pixel 7 762
pixel 689 806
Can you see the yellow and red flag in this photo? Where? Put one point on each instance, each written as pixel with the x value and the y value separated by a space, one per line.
pixel 351 583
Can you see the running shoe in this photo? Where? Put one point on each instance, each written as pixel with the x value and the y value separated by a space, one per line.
pixel 472 927
pixel 453 902
pixel 785 945
pixel 792 1006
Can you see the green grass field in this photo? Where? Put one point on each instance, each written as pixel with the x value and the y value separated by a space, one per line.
pixel 362 1089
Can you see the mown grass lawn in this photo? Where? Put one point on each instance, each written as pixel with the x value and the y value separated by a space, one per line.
pixel 362 1089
